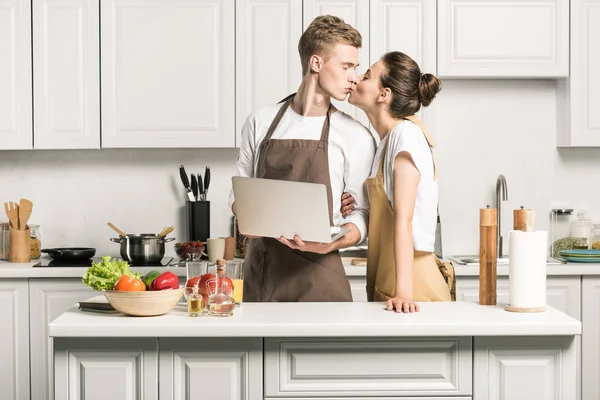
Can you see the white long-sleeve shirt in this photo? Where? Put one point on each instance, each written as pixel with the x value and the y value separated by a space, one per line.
pixel 351 153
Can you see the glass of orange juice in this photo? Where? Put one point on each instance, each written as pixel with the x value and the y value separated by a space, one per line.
pixel 235 271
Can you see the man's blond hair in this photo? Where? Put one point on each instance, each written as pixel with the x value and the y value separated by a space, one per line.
pixel 323 33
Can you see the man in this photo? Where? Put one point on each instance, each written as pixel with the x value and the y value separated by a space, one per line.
pixel 306 139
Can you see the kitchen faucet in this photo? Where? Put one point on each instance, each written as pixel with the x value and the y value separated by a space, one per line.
pixel 500 187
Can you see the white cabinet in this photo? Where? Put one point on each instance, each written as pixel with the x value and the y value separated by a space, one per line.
pixel 15 75
pixel 66 73
pixel 101 368
pixel 524 368
pixel 167 73
pixel 267 60
pixel 348 367
pixel 48 298
pixel 590 321
pixel 408 26
pixel 503 38
pixel 562 293
pixel 210 368
pixel 14 339
pixel 355 13
pixel 578 98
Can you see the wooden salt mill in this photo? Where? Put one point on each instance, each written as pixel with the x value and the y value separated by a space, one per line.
pixel 488 230
pixel 523 220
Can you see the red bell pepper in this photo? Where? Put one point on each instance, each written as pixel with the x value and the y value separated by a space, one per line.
pixel 166 280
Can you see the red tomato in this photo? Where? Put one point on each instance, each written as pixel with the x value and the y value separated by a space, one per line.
pixel 166 280
pixel 208 285
pixel 192 281
pixel 127 283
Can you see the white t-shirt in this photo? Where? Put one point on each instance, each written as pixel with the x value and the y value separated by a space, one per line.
pixel 351 152
pixel 408 137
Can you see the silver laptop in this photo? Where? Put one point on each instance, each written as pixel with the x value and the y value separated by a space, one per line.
pixel 275 208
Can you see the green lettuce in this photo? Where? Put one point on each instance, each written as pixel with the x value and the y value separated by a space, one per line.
pixel 104 275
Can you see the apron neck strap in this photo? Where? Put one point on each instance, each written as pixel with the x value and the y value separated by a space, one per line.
pixel 415 120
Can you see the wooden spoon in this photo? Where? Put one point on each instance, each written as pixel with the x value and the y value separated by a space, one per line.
pixel 25 208
pixel 12 213
pixel 166 231
pixel 120 232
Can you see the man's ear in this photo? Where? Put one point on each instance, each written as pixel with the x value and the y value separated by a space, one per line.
pixel 385 95
pixel 315 63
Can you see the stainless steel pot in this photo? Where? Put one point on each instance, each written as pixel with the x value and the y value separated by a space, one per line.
pixel 142 249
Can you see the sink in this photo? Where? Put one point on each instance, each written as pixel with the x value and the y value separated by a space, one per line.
pixel 474 260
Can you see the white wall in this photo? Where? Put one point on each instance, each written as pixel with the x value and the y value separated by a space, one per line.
pixel 483 128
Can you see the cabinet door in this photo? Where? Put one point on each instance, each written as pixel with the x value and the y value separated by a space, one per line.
pixel 15 75
pixel 66 49
pixel 578 98
pixel 211 368
pixel 590 361
pixel 504 38
pixel 49 298
pixel 562 293
pixel 358 286
pixel 524 368
pixel 267 60
pixel 14 339
pixel 168 73
pixel 106 368
pixel 355 13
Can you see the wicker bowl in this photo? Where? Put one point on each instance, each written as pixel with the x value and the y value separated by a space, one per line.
pixel 144 304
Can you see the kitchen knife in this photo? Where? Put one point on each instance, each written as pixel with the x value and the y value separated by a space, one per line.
pixel 186 182
pixel 195 187
pixel 200 188
pixel 206 181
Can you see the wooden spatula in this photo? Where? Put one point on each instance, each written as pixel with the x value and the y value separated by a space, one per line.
pixel 25 208
pixel 120 232
pixel 12 213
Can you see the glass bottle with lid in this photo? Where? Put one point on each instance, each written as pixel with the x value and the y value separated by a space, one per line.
pixel 581 231
pixel 219 303
pixel 36 241
pixel 596 237
pixel 4 241
pixel 560 230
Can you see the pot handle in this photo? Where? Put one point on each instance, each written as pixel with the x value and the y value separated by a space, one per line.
pixel 169 239
pixel 115 240
pixel 52 252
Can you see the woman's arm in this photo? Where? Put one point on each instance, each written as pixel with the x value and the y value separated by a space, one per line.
pixel 406 180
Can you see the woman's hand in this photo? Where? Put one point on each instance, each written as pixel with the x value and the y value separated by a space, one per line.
pixel 402 304
pixel 347 204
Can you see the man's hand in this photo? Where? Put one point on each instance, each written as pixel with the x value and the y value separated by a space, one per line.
pixel 312 247
pixel 348 204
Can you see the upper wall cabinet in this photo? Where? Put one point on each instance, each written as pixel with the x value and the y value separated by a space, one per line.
pixel 15 75
pixel 503 38
pixel 578 98
pixel 66 74
pixel 356 13
pixel 167 73
pixel 267 61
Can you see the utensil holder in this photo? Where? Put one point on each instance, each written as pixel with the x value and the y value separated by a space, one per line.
pixel 198 220
pixel 20 246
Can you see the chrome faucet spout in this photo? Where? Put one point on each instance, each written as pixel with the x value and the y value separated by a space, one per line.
pixel 501 195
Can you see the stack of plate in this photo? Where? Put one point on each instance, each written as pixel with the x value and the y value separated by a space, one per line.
pixel 581 256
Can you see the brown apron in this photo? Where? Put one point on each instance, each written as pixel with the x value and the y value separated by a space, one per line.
pixel 432 279
pixel 272 270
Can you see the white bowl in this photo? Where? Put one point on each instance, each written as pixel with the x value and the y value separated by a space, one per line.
pixel 144 304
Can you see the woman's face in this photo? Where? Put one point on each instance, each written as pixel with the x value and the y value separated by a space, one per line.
pixel 368 88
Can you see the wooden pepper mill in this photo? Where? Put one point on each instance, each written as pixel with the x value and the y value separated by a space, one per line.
pixel 488 230
pixel 523 220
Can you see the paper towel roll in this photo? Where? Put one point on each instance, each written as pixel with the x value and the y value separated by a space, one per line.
pixel 527 271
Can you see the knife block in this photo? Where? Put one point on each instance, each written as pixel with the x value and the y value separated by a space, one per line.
pixel 198 220
pixel 20 245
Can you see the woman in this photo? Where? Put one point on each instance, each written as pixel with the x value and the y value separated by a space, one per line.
pixel 403 187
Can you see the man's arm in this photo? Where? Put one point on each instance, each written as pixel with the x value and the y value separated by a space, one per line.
pixel 245 158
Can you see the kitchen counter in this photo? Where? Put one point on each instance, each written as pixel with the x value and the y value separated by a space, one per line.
pixel 318 350
pixel 322 320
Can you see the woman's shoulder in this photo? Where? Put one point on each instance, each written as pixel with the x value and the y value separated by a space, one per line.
pixel 406 135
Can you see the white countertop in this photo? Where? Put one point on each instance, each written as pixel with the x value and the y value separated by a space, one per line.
pixel 27 270
pixel 322 320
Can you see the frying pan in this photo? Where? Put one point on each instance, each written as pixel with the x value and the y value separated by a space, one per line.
pixel 70 253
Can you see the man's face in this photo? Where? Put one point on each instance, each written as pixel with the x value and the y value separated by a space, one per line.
pixel 339 72
pixel 364 95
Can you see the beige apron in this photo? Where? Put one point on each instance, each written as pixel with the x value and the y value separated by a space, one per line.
pixel 432 279
pixel 272 270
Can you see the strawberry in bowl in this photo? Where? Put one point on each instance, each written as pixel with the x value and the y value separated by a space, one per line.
pixel 191 250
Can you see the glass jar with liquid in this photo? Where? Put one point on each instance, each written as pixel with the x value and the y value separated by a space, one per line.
pixel 581 231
